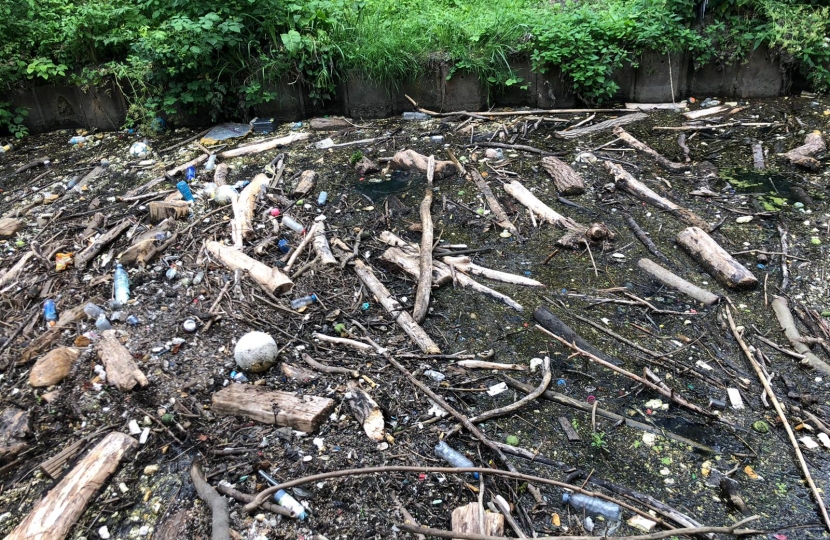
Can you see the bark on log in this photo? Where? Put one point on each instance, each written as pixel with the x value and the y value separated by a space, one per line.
pixel 243 209
pixel 366 411
pixel 647 150
pixel 308 179
pixel 498 212
pixel 83 258
pixel 554 324
pixel 785 319
pixel 407 160
pixel 716 260
pixel 122 371
pixel 262 146
pixel 395 309
pixel 467 520
pixel 625 181
pixel 220 177
pixel 678 283
pixel 303 413
pixel 321 246
pixel 161 210
pixel 802 156
pixel 528 199
pixel 424 286
pixel 602 126
pixel 9 226
pixel 54 515
pixel 270 278
pixel 566 180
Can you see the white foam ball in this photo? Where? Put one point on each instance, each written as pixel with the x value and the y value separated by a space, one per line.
pixel 139 150
pixel 225 194
pixel 255 352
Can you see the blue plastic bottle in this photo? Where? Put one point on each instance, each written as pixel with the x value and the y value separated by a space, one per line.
pixel 50 312
pixel 184 189
pixel 190 174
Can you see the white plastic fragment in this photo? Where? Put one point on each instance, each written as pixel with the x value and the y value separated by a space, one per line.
pixel 134 429
pixel 639 522
pixel 103 532
pixel 144 436
pixel 497 389
pixel 825 440
pixel 535 363
pixel 325 143
pixel 808 442
pixel 735 398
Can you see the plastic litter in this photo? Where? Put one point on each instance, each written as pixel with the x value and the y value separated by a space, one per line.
pixel 184 189
pixel 293 224
pixel 102 323
pixel 284 499
pixel 321 198
pixel 297 303
pixel 436 376
pixel 224 132
pixel 453 457
pixel 283 245
pixel 189 326
pixel 93 311
pixel 50 312
pixel 79 140
pixel 140 150
pixel 211 163
pixel 190 174
pixel 412 115
pixel 121 286
pixel 607 509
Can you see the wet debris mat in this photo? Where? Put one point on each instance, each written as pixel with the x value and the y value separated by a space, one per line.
pixel 461 325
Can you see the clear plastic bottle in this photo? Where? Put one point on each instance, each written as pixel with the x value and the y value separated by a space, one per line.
pixel 297 303
pixel 292 224
pixel 436 376
pixel 592 505
pixel 77 139
pixel 92 311
pixel 238 376
pixel 286 500
pixel 412 115
pixel 102 323
pixel 321 199
pixel 453 457
pixel 211 163
pixel 50 312
pixel 121 285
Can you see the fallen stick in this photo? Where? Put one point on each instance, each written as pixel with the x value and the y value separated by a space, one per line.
pixel 492 202
pixel 321 246
pixel 395 309
pixel 243 209
pixel 309 236
pixel 226 489
pixel 54 515
pixel 424 286
pixel 465 264
pixel 678 283
pixel 643 148
pixel 802 156
pixel 785 319
pixel 83 258
pixel 626 182
pixel 481 364
pixel 218 505
pixel 783 417
pixel 11 274
pixel 366 411
pixel 319 366
pixel 659 388
pixel 643 237
pixel 528 199
pixel 785 268
pixel 566 180
pixel 716 260
pixel 555 325
pixel 359 345
pixel 601 126
pixel 263 146
pixel 122 371
pixel 270 278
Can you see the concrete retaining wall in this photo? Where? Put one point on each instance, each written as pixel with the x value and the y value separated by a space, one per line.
pixel 654 80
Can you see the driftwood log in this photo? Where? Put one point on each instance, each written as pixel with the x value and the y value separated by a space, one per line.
pixel 11 274
pixel 9 226
pixel 303 413
pixel 465 264
pixel 626 182
pixel 366 411
pixel 601 126
pixel 321 245
pixel 716 260
pixel 242 226
pixel 270 278
pixel 803 155
pixel 492 202
pixel 566 180
pixel 83 258
pixel 263 146
pixel 424 286
pixel 161 210
pixel 220 530
pixel 643 148
pixel 554 324
pixel 516 190
pixel 676 282
pixel 468 519
pixel 122 371
pixel 408 160
pixel 308 179
pixel 53 367
pixel 785 319
pixel 54 515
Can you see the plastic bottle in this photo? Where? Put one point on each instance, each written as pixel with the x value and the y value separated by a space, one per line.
pixel 286 500
pixel 184 189
pixel 321 198
pixel 297 303
pixel 411 115
pixel 190 174
pixel 121 285
pixel 453 457
pixel 92 311
pixel 171 273
pixel 132 320
pixel 77 139
pixel 50 312
pixel 436 138
pixel 593 505
pixel 436 376
pixel 211 163
pixel 238 376
pixel 283 245
pixel 102 323
pixel 292 224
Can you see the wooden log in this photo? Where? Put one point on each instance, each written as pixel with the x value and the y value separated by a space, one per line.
pixel 643 148
pixel 395 309
pixel 303 413
pixel 481 364
pixel 424 286
pixel 263 146
pixel 137 253
pixel 243 209
pixel 555 325
pixel 220 175
pixel 97 221
pixel 54 515
pixel 408 160
pixel 271 278
pixel 332 123
pixel 122 371
pixel 601 126
pixel 716 260
pixel 643 237
pixel 528 199
pixel 14 429
pixel 758 155
pixel 297 373
pixel 464 264
pixel 11 274
pixel 161 210
pixel 468 519
pixel 626 182
pixel 84 257
pixel 566 180
pixel 308 179
pixel 785 319
pixel 802 156
pixel 53 367
pixel 321 246
pixel 569 430
pixel 9 226
pixel 366 411
pixel 676 282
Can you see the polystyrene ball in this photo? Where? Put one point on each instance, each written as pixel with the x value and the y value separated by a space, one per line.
pixel 225 194
pixel 255 352
pixel 139 150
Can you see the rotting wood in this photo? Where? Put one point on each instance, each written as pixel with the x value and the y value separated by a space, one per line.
pixel 482 364
pixel 465 264
pixel 803 155
pixel 83 258
pixel 122 371
pixel 220 176
pixel 243 209
pixel 570 432
pixel 220 528
pixel 626 182
pixel 787 323
pixel 643 148
pixel 466 520
pixel 516 190
pixel 555 325
pixel 321 245
pixel 9 226
pixel 716 260
pixel 298 373
pixel 676 282
pixel 408 160
pixel 366 411
pixel 304 413
pixel 270 278
pixel 263 146
pixel 136 253
pixel 395 309
pixel 566 180
pixel 162 210
pixel 306 183
pixel 54 515
pixel 424 285
pixel 601 126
